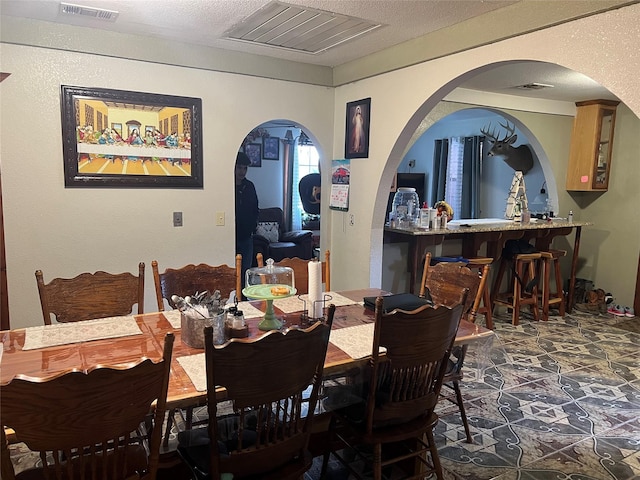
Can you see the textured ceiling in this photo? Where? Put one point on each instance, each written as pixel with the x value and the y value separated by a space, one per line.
pixel 206 22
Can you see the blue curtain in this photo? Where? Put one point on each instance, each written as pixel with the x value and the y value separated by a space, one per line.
pixel 471 174
pixel 439 179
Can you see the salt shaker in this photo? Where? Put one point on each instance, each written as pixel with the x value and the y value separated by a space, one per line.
pixel 238 319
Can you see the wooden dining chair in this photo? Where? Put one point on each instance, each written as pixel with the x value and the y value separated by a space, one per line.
pixel 402 392
pixel 301 271
pixel 445 281
pixel 187 281
pixel 87 424
pixel 91 295
pixel 196 278
pixel 267 381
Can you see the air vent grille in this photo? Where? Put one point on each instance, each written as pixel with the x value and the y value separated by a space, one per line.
pixel 534 86
pixel 301 29
pixel 92 12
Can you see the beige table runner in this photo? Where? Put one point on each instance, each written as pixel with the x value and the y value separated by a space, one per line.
pixel 173 317
pixel 195 367
pixel 355 341
pixel 297 302
pixel 249 311
pixel 76 332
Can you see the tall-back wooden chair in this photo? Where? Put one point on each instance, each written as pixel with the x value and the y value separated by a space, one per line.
pixel 84 424
pixel 265 379
pixel 301 271
pixel 91 295
pixel 444 281
pixel 403 389
pixel 196 278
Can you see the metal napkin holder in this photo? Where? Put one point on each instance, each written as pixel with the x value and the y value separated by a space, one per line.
pixel 305 320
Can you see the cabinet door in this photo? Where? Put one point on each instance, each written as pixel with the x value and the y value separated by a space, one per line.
pixel 591 143
pixel 605 140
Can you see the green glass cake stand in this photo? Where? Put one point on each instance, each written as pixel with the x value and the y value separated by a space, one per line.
pixel 263 292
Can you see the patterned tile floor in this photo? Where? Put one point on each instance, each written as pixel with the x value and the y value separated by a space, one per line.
pixel 550 400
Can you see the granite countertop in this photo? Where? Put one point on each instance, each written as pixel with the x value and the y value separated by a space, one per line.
pixel 487 225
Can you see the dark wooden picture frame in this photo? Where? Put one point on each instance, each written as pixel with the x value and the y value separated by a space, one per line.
pixel 254 152
pixel 271 148
pixel 356 139
pixel 95 155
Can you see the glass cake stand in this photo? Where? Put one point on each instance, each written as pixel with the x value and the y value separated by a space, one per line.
pixel 263 292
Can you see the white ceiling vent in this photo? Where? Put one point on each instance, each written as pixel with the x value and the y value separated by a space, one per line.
pixel 300 29
pixel 534 86
pixel 90 12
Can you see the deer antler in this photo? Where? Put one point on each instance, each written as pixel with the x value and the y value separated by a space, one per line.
pixel 491 136
pixel 510 129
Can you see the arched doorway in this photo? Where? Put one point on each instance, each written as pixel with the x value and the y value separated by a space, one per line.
pixel 285 169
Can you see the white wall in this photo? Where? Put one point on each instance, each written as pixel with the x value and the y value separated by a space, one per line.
pixel 68 231
pixel 598 46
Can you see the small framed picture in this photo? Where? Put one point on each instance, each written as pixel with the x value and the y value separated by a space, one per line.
pixel 254 152
pixel 356 140
pixel 271 148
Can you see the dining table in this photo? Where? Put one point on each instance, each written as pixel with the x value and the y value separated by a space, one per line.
pixel 43 352
pixel 490 234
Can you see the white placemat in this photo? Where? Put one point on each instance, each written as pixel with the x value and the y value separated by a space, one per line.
pixel 196 369
pixel 297 302
pixel 173 317
pixel 357 341
pixel 75 332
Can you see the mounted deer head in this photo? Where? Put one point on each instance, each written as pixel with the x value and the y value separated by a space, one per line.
pixel 519 158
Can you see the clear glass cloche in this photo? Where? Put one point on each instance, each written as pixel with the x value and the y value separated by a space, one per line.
pixel 269 282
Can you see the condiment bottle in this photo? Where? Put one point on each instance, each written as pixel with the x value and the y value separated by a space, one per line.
pixel 424 216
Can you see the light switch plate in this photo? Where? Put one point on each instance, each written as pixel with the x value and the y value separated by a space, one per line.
pixel 220 219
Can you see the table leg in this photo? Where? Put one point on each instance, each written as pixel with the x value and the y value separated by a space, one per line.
pixel 574 266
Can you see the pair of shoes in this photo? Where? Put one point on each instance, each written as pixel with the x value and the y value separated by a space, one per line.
pixel 617 310
pixel 628 312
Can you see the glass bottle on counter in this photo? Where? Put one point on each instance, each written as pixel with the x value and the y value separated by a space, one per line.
pixel 406 206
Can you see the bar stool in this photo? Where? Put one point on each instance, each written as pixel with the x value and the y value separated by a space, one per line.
pixel 551 261
pixel 524 270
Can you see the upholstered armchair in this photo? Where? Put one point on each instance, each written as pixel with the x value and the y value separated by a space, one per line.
pixel 273 241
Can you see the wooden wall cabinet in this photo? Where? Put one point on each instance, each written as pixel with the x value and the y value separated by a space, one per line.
pixel 591 143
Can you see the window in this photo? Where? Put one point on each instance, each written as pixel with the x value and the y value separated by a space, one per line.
pixel 453 187
pixel 306 162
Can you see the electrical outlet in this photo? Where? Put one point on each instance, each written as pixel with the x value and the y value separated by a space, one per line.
pixel 352 219
pixel 177 219
pixel 220 219
pixel 412 163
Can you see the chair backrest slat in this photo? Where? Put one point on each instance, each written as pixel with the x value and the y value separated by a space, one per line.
pixel 196 278
pixel 91 295
pixel 84 420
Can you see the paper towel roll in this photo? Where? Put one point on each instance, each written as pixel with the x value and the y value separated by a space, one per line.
pixel 315 289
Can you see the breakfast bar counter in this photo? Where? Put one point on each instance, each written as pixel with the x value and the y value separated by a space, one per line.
pixel 474 233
